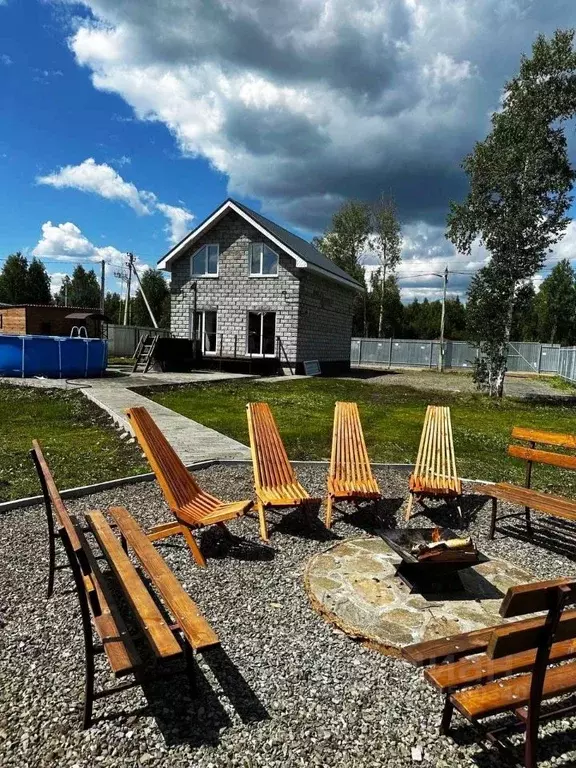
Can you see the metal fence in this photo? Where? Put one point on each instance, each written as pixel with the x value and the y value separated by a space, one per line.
pixel 123 339
pixel 523 356
pixel 567 364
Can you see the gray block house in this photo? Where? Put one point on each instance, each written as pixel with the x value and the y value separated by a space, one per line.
pixel 247 288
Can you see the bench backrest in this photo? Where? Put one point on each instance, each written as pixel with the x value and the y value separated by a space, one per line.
pixel 436 450
pixel 177 484
pixel 551 596
pixel 532 454
pixel 67 527
pixel 272 467
pixel 349 459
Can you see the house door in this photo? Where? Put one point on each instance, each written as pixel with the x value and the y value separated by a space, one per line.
pixel 206 326
pixel 261 333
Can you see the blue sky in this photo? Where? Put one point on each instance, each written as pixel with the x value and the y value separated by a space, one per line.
pixel 111 110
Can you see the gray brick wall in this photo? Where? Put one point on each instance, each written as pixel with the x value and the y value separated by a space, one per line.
pixel 313 315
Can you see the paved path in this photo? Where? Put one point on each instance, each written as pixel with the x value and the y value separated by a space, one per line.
pixel 192 441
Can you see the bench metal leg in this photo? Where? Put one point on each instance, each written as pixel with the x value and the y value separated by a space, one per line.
pixel 51 563
pixel 446 716
pixel 190 668
pixel 493 519
pixel 528 521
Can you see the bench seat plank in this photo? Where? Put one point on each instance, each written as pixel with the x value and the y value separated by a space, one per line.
pixel 558 506
pixel 110 626
pixel 466 644
pixel 480 668
pixel 159 635
pixel 194 626
pixel 503 695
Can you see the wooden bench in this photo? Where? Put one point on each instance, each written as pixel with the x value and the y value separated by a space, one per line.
pixel 275 481
pixel 551 504
pixel 350 476
pixel 507 669
pixel 99 608
pixel 435 474
pixel 191 506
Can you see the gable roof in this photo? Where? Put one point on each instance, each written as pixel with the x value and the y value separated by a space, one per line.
pixel 303 252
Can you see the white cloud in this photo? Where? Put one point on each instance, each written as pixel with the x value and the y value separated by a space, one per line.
pixel 304 104
pixel 4 58
pixel 56 280
pixel 179 221
pixel 65 242
pixel 103 180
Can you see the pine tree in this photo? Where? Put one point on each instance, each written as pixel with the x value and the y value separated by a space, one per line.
pixel 14 280
pixel 556 305
pixel 38 284
pixel 113 307
pixel 83 289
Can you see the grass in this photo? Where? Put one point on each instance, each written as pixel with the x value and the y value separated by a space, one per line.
pixel 392 418
pixel 80 446
pixel 557 382
pixel 121 361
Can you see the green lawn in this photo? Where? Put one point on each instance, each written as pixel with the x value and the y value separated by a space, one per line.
pixel 392 418
pixel 79 444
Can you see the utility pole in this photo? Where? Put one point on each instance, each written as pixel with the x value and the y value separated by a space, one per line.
pixel 102 284
pixel 66 293
pixel 442 319
pixel 128 281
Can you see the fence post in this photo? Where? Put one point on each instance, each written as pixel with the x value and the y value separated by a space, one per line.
pixel 360 353
pixel 431 351
pixel 540 359
pixel 390 353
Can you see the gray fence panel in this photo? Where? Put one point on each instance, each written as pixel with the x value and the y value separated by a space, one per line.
pixel 523 357
pixel 123 339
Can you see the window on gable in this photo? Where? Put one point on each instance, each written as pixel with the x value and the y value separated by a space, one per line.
pixel 263 260
pixel 205 261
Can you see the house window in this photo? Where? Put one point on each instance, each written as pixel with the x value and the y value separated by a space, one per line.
pixel 263 261
pixel 206 329
pixel 205 261
pixel 261 333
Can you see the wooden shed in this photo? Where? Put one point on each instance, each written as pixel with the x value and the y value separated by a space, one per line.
pixel 48 320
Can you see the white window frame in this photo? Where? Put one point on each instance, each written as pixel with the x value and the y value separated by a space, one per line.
pixel 206 275
pixel 260 312
pixel 260 273
pixel 202 330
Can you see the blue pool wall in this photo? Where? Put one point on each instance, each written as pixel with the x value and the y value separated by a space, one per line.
pixel 57 357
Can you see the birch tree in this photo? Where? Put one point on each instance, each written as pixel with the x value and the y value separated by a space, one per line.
pixel 386 241
pixel 520 179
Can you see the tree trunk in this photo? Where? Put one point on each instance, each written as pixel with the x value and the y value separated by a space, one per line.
pixel 381 310
pixel 500 373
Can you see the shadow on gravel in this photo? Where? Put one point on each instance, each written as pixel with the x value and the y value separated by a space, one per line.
pixel 445 515
pixel 217 546
pixel 301 524
pixel 372 516
pixel 552 534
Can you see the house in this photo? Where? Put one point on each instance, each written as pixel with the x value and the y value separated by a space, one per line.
pixel 247 288
pixel 48 320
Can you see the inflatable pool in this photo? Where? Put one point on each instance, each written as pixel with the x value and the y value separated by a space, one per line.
pixel 56 357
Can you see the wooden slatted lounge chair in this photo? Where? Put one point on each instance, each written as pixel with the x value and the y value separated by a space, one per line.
pixel 525 496
pixel 435 474
pixel 192 507
pixel 350 476
pixel 275 481
pixel 507 668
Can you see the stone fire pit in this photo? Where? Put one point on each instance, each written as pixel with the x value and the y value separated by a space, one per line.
pixel 353 585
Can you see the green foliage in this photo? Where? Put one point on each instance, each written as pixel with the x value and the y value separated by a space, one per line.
pixel 83 289
pixel 14 280
pixel 385 310
pixel 158 295
pixel 113 307
pixel 520 191
pixel 344 242
pixel 392 418
pixel 80 445
pixel 38 283
pixel 556 305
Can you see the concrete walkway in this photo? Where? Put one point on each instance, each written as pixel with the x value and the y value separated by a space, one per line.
pixel 192 441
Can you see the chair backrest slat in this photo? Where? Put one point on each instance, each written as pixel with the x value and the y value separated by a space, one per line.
pixel 349 461
pixel 177 483
pixel 272 467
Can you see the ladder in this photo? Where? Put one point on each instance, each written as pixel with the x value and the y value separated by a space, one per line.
pixel 144 352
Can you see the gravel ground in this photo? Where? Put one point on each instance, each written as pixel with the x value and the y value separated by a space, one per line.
pixel 290 690
pixel 514 386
